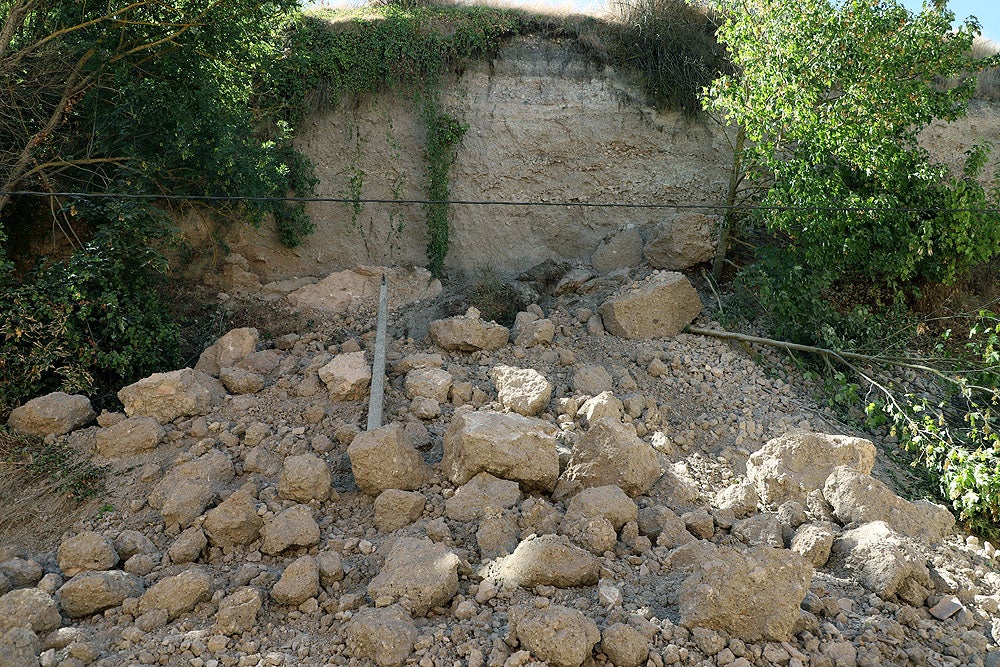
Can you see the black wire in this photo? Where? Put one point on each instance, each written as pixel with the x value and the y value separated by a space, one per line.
pixel 474 202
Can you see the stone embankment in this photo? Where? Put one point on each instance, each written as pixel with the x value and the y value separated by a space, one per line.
pixel 552 493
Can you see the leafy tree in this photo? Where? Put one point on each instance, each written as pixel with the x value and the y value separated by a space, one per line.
pixel 829 99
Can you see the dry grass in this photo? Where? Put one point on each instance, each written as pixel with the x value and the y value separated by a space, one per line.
pixel 987 81
pixel 44 489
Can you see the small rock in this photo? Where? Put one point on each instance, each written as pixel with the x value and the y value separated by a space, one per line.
pixel 241 381
pixel 560 636
pixel 86 551
pixel 167 396
pixel 624 646
pixel 31 608
pixel 228 350
pixel 484 495
pixel 298 583
pixel 610 453
pixel 661 306
pixel 549 560
pixel 385 635
pixel 433 383
pixel 238 611
pixel 419 573
pixel 523 390
pixel 234 521
pixel 591 380
pixel 395 509
pixel 90 592
pixel 468 333
pixel 294 526
pixel 347 377
pixel 384 459
pixel 813 542
pixel 177 594
pixel 303 478
pixel 187 547
pixel 130 436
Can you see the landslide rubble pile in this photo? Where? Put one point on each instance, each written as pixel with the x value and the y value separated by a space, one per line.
pixel 552 493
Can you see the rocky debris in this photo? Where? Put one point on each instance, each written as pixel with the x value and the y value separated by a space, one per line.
pixel 353 288
pixel 395 509
pixel 178 594
pixel 167 396
pixel 682 240
pixel 622 250
pixel 753 594
pixel 591 380
pixel 661 306
pixel 52 414
pixel 610 453
pixel 481 497
pixel 663 527
pixel 560 636
pixel 947 606
pixel 293 527
pixel 624 645
pixel 548 560
pixel 19 647
pixel 530 333
pixel 790 466
pixel 87 551
pixel 298 583
pixel 859 498
pixel 238 611
pixel 884 562
pixel 760 530
pixel 331 567
pixel 813 542
pixel 418 574
pixel 741 499
pixel 347 376
pixel 603 405
pixel 90 592
pixel 385 636
pixel 30 608
pixel 609 502
pixel 228 350
pixel 523 390
pixel 129 437
pixel 508 446
pixel 186 491
pixel 385 459
pixel 128 543
pixel 234 521
pixel 187 547
pixel 21 572
pixel 241 380
pixel 303 478
pixel 433 383
pixel 468 333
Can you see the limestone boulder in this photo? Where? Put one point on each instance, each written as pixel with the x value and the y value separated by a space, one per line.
pixel 177 594
pixel 347 377
pixel 395 509
pixel 609 502
pixel 234 521
pixel 188 546
pixel 228 350
pixel 19 647
pixel 558 635
pixel 523 390
pixel 882 560
pixel 682 240
pixel 187 489
pixel 53 414
pixel 167 396
pixel 790 466
pixel 91 592
pixel 240 380
pixel 610 453
pixel 129 437
pixel 860 498
pixel 624 645
pixel 293 527
pixel 417 573
pixel 385 459
pixel 298 583
pixel 238 611
pixel 88 550
pixel 383 636
pixel 759 530
pixel 661 306
pixel 753 594
pixel 508 446
pixel 741 499
pixel 468 333
pixel 549 560
pixel 21 572
pixel 535 332
pixel 432 383
pixel 31 608
pixel 303 478
pixel 482 496
pixel 813 542
pixel 360 286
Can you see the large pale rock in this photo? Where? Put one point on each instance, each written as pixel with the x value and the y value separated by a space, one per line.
pixel 395 509
pixel 90 592
pixel 229 350
pixel 753 595
pixel 359 286
pixel 177 594
pixel 508 446
pixel 741 499
pixel 298 583
pixel 622 250
pixel 432 383
pixel 241 381
pixel 303 478
pixel 813 542
pixel 523 390
pixel 87 551
pixel 482 496
pixel 347 376
pixel 661 306
pixel 610 453
pixel 682 240
pixel 167 396
pixel 419 574
pixel 29 608
pixel 130 436
pixel 188 546
pixel 385 635
pixel 384 459
pixel 882 560
pixel 790 466
pixel 558 635
pixel 19 647
pixel 624 645
pixel 234 521
pixel 21 572
pixel 238 611
pixel 294 527
pixel 549 560
pixel 602 405
pixel 609 502
pixel 468 333
pixel 187 489
pixel 860 498
pixel 53 414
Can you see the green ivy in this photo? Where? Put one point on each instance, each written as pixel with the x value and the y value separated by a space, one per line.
pixel 443 134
